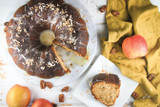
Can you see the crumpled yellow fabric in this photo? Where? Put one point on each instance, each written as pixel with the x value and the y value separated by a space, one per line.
pixel 136 17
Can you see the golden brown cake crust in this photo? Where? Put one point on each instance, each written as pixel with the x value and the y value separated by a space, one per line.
pixel 23 33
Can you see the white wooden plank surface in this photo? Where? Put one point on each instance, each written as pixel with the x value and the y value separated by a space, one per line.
pixel 52 95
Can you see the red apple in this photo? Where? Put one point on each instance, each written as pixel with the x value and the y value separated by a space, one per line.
pixel 18 96
pixel 42 103
pixel 134 47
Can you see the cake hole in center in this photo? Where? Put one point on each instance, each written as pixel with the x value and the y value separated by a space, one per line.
pixel 47 37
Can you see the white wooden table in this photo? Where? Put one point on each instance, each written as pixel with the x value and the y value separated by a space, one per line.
pixel 52 94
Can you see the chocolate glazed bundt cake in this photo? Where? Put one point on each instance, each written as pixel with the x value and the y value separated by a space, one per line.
pixel 106 88
pixel 37 27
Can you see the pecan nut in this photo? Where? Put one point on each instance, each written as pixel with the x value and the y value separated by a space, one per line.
pixel 65 89
pixel 42 84
pixel 135 95
pixel 103 8
pixel 54 104
pixel 113 51
pixel 151 76
pixel 115 13
pixel 49 84
pixel 6 23
pixel 61 98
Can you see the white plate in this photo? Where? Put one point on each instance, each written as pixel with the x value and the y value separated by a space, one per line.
pixel 77 68
pixel 82 92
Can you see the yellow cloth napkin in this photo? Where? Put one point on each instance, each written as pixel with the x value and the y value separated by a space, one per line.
pixel 136 17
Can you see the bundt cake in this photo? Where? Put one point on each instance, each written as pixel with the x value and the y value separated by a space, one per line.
pixel 37 18
pixel 106 88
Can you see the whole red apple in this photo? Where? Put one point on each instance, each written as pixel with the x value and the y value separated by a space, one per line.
pixel 41 103
pixel 18 96
pixel 134 47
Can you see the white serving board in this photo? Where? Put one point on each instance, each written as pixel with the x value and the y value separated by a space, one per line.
pixel 83 93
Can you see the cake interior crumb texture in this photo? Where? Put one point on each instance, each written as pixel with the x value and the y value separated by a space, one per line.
pixel 106 93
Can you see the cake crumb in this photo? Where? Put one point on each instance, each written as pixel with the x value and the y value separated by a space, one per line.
pixel 3 75
pixel 66 104
pixel 71 64
pixel 61 98
pixel 88 90
pixel 1 64
pixel 65 89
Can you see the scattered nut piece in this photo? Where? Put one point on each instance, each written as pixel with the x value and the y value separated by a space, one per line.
pixel 54 104
pixel 135 95
pixel 42 84
pixel 66 89
pixel 103 8
pixel 113 51
pixel 71 64
pixel 6 23
pixel 115 13
pixel 49 84
pixel 151 76
pixel 61 98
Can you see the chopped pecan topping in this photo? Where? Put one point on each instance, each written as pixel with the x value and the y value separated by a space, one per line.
pixel 135 95
pixel 151 76
pixel 113 51
pixel 103 8
pixel 115 13
pixel 49 84
pixel 66 89
pixel 6 23
pixel 61 98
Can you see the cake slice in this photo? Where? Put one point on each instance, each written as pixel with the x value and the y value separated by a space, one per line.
pixel 60 60
pixel 106 88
